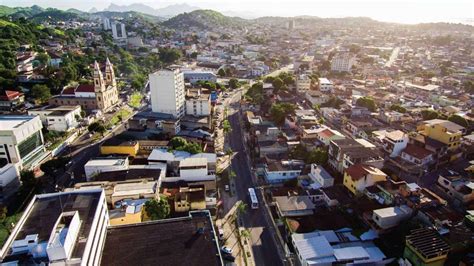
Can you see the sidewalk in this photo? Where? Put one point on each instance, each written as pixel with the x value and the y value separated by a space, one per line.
pixel 231 239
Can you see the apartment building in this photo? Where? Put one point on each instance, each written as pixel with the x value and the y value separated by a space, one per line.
pixel 444 131
pixel 303 83
pixel 167 92
pixel 60 118
pixel 358 177
pixel 198 102
pixel 342 62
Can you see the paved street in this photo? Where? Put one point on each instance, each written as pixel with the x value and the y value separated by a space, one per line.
pixel 263 245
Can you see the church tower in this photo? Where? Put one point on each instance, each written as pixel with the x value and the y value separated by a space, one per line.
pixel 99 84
pixel 109 74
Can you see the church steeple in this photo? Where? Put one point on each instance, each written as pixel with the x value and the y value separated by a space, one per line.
pixel 99 84
pixel 109 73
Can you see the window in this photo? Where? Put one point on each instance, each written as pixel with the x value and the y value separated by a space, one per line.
pixel 30 144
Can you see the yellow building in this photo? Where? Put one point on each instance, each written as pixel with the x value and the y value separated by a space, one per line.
pixel 190 198
pixel 425 247
pixel 116 146
pixel 359 176
pixel 444 131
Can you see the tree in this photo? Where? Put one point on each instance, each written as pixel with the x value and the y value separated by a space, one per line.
pixel 54 164
pixel 429 114
pixel 277 84
pixel 367 102
pixel 41 93
pixel 233 83
pixel 177 142
pixel 333 102
pixel 43 58
pixel 326 65
pixel 241 208
pixel 317 156
pixel 398 108
pixel 170 55
pixel 221 72
pixel 459 120
pixel 279 111
pixel 27 178
pixel 97 127
pixel 157 209
pixel 226 127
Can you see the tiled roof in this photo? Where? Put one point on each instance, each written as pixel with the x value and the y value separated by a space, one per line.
pixel 358 171
pixel 68 91
pixel 85 88
pixel 417 152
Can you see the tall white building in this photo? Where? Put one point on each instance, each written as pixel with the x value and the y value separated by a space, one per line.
pixel 106 22
pixel 342 62
pixel 118 30
pixel 167 92
pixel 198 102
pixel 303 83
pixel 21 140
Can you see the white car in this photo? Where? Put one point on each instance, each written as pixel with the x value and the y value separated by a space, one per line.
pixel 227 188
pixel 226 250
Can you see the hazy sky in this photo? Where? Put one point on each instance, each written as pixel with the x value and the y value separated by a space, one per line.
pixel 405 11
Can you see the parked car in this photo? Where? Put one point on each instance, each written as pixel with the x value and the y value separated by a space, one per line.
pixel 226 250
pixel 220 154
pixel 227 188
pixel 221 233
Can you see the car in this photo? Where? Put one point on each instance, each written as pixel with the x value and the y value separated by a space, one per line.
pixel 228 257
pixel 221 233
pixel 227 188
pixel 226 250
pixel 220 154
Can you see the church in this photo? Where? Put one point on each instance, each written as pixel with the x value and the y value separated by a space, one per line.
pixel 101 95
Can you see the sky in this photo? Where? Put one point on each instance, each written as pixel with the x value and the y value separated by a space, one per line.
pixel 401 11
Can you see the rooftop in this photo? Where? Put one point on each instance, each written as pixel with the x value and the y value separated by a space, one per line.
pixel 294 203
pixel 450 126
pixel 358 171
pixel 181 241
pixel 10 122
pixel 427 242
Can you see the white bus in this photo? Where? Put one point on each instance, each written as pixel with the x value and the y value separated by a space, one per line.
pixel 253 198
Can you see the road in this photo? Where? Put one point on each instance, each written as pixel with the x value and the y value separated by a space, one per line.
pixel 264 248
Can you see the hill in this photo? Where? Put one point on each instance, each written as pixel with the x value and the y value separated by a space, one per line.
pixel 166 12
pixel 203 19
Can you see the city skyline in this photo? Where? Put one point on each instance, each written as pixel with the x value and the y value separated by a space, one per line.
pixel 410 12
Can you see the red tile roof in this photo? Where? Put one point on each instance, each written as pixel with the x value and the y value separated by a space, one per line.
pixel 68 91
pixel 326 133
pixel 417 152
pixel 85 88
pixel 9 95
pixel 358 171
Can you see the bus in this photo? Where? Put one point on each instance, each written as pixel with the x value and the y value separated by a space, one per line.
pixel 253 198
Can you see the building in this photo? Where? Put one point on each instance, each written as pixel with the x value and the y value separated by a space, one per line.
pixel 444 131
pixel 129 211
pixel 335 248
pixel 303 83
pixel 158 123
pixel 294 206
pixel 390 217
pixel 10 100
pixel 189 240
pixel 59 229
pixel 359 176
pixel 198 102
pixel 106 23
pixel 279 172
pixel 21 140
pixel 194 76
pixel 425 247
pixel 167 92
pixel 417 155
pixel 343 153
pixel 394 142
pixel 342 62
pixel 320 176
pixel 60 118
pixel 96 166
pixel 9 180
pixel 460 189
pixel 325 85
pixel 101 95
pixel 115 146
pixel 118 30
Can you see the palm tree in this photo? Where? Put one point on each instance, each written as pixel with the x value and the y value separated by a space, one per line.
pixel 241 208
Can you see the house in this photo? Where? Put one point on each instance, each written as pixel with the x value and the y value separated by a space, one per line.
pixel 460 189
pixel 359 176
pixel 316 97
pixel 394 142
pixel 278 172
pixel 155 123
pixel 346 152
pixel 425 246
pixel 417 155
pixel 59 118
pixel 114 146
pixel 327 135
pixel 335 196
pixel 10 100
pixel 325 85
pixel 107 164
pixel 185 197
pixel 444 131
pixel 129 211
pixel 320 176
pixel 334 248
pixel 294 206
pixel 390 217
